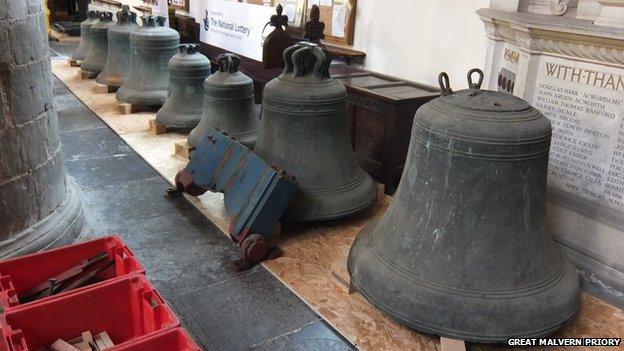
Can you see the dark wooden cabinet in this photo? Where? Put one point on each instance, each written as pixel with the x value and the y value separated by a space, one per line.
pixel 381 110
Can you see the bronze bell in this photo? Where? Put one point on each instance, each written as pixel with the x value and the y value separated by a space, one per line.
pixel 228 104
pixel 304 131
pixel 184 105
pixel 463 250
pixel 85 36
pixel 96 58
pixel 153 45
pixel 116 67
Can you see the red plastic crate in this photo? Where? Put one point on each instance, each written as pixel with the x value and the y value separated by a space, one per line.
pixel 19 275
pixel 171 340
pixel 126 308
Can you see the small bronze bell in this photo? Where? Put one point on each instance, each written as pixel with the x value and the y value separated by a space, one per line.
pixel 85 36
pixel 184 106
pixel 153 45
pixel 304 131
pixel 228 104
pixel 119 52
pixel 96 58
pixel 464 250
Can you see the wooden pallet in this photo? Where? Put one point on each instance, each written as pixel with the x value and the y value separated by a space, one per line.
pixel 73 63
pixel 104 89
pixel 86 74
pixel 126 108
pixel 183 149
pixel 341 278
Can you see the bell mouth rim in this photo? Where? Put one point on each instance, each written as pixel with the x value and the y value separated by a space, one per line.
pixel 364 201
pixel 427 327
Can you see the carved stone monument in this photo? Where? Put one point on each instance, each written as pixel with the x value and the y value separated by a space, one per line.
pixel 39 207
pixel 552 54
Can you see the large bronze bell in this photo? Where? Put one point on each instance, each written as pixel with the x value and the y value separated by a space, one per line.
pixel 464 250
pixel 184 106
pixel 304 131
pixel 85 36
pixel 96 58
pixel 119 54
pixel 153 45
pixel 228 104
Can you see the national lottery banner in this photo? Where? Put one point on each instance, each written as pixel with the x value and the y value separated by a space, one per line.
pixel 236 27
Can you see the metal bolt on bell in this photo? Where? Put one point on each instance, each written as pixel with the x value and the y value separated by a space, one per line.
pixel 304 131
pixel 85 36
pixel 464 250
pixel 119 53
pixel 228 104
pixel 96 58
pixel 152 45
pixel 184 106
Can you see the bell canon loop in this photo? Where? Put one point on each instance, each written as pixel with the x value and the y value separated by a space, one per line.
pixel 119 52
pixel 184 105
pixel 96 58
pixel 228 104
pixel 463 250
pixel 304 131
pixel 153 45
pixel 85 36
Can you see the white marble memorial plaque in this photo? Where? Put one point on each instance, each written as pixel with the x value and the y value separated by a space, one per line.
pixel 585 103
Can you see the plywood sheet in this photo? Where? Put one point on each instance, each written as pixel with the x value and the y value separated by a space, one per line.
pixel 311 249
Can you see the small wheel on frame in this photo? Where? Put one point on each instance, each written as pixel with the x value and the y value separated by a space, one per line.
pixel 254 248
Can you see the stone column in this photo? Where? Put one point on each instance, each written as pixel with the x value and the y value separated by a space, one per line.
pixel 39 207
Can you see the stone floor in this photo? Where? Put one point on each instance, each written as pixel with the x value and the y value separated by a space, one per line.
pixel 185 255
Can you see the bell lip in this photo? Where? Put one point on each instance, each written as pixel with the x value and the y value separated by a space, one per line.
pixel 110 79
pixel 572 299
pixel 307 198
pixel 151 97
pixel 171 119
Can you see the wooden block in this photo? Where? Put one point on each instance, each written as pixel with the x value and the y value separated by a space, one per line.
pixel 73 63
pixel 157 128
pixel 106 339
pixel 100 344
pixel 87 336
pixel 103 89
pixel 452 344
pixel 87 74
pixel 62 345
pixel 340 275
pixel 183 149
pixel 124 108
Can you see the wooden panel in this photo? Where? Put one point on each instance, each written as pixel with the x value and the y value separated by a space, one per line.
pixel 187 27
pixel 341 70
pixel 365 81
pixel 370 139
pixel 402 92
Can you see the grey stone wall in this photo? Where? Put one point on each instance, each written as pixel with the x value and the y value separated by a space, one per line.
pixel 38 207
